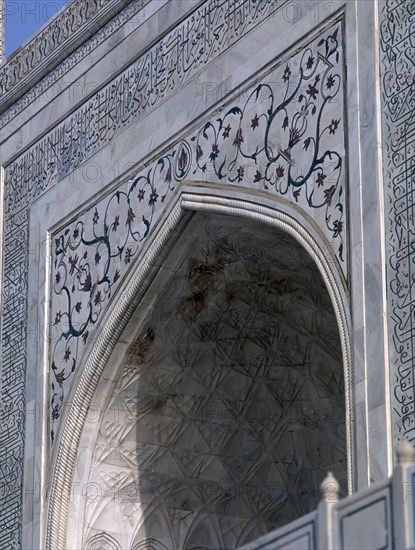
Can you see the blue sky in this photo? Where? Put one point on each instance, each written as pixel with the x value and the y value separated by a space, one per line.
pixel 24 17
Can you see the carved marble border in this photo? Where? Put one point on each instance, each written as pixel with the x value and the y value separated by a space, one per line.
pixel 397 43
pixel 72 25
pixel 29 95
pixel 206 33
pixel 22 187
pixel 133 292
pixel 20 195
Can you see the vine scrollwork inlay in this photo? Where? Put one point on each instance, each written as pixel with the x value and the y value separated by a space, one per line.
pixel 287 142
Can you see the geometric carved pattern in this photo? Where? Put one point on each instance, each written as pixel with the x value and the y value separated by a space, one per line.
pixel 230 403
pixel 289 145
pixel 37 170
pixel 398 97
pixel 102 542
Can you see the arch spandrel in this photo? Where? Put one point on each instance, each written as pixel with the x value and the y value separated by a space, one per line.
pixel 281 137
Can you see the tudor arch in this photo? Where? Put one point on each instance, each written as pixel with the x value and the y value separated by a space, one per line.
pixel 229 396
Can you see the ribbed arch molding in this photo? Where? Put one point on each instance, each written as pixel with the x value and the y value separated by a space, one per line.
pixel 128 299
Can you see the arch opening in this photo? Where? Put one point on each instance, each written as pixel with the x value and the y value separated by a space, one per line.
pixel 229 407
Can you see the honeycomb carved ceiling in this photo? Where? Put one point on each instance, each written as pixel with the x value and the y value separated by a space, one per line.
pixel 229 409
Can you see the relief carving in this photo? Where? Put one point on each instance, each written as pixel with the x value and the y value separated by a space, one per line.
pixel 229 408
pixel 38 169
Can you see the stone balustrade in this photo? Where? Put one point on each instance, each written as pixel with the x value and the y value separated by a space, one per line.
pixel 379 517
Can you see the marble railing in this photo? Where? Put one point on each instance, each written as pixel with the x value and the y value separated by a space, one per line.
pixel 380 517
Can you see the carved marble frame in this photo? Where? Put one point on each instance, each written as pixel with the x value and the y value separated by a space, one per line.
pixel 242 204
pixel 366 169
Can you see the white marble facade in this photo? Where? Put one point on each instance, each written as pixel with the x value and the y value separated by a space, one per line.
pixel 207 222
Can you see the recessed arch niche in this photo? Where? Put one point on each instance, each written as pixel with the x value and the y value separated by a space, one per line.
pixel 225 406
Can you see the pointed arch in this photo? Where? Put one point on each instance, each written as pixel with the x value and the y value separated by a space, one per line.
pixel 241 204
pixel 102 541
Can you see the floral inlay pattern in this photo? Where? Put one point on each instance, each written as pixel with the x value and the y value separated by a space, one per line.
pixel 91 256
pixel 284 136
pixel 283 139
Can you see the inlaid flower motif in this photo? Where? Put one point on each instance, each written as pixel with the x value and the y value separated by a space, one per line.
pixel 287 74
pixel 153 197
pixel 312 91
pixel 258 176
pixel 240 174
pixel 310 61
pixel 97 298
pixel 73 261
pixel 338 225
pixel 333 126
pixel 87 284
pixel 320 179
pixel 279 172
pixel 255 122
pixel 328 194
pixel 285 123
pixel 294 137
pixel 215 151
pixel 239 138
pixel 60 377
pixel 330 82
pixel 130 216
pixel 226 131
pixel 183 160
pixel 128 255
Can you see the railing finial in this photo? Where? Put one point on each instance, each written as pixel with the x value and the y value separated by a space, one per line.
pixel 405 452
pixel 330 488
